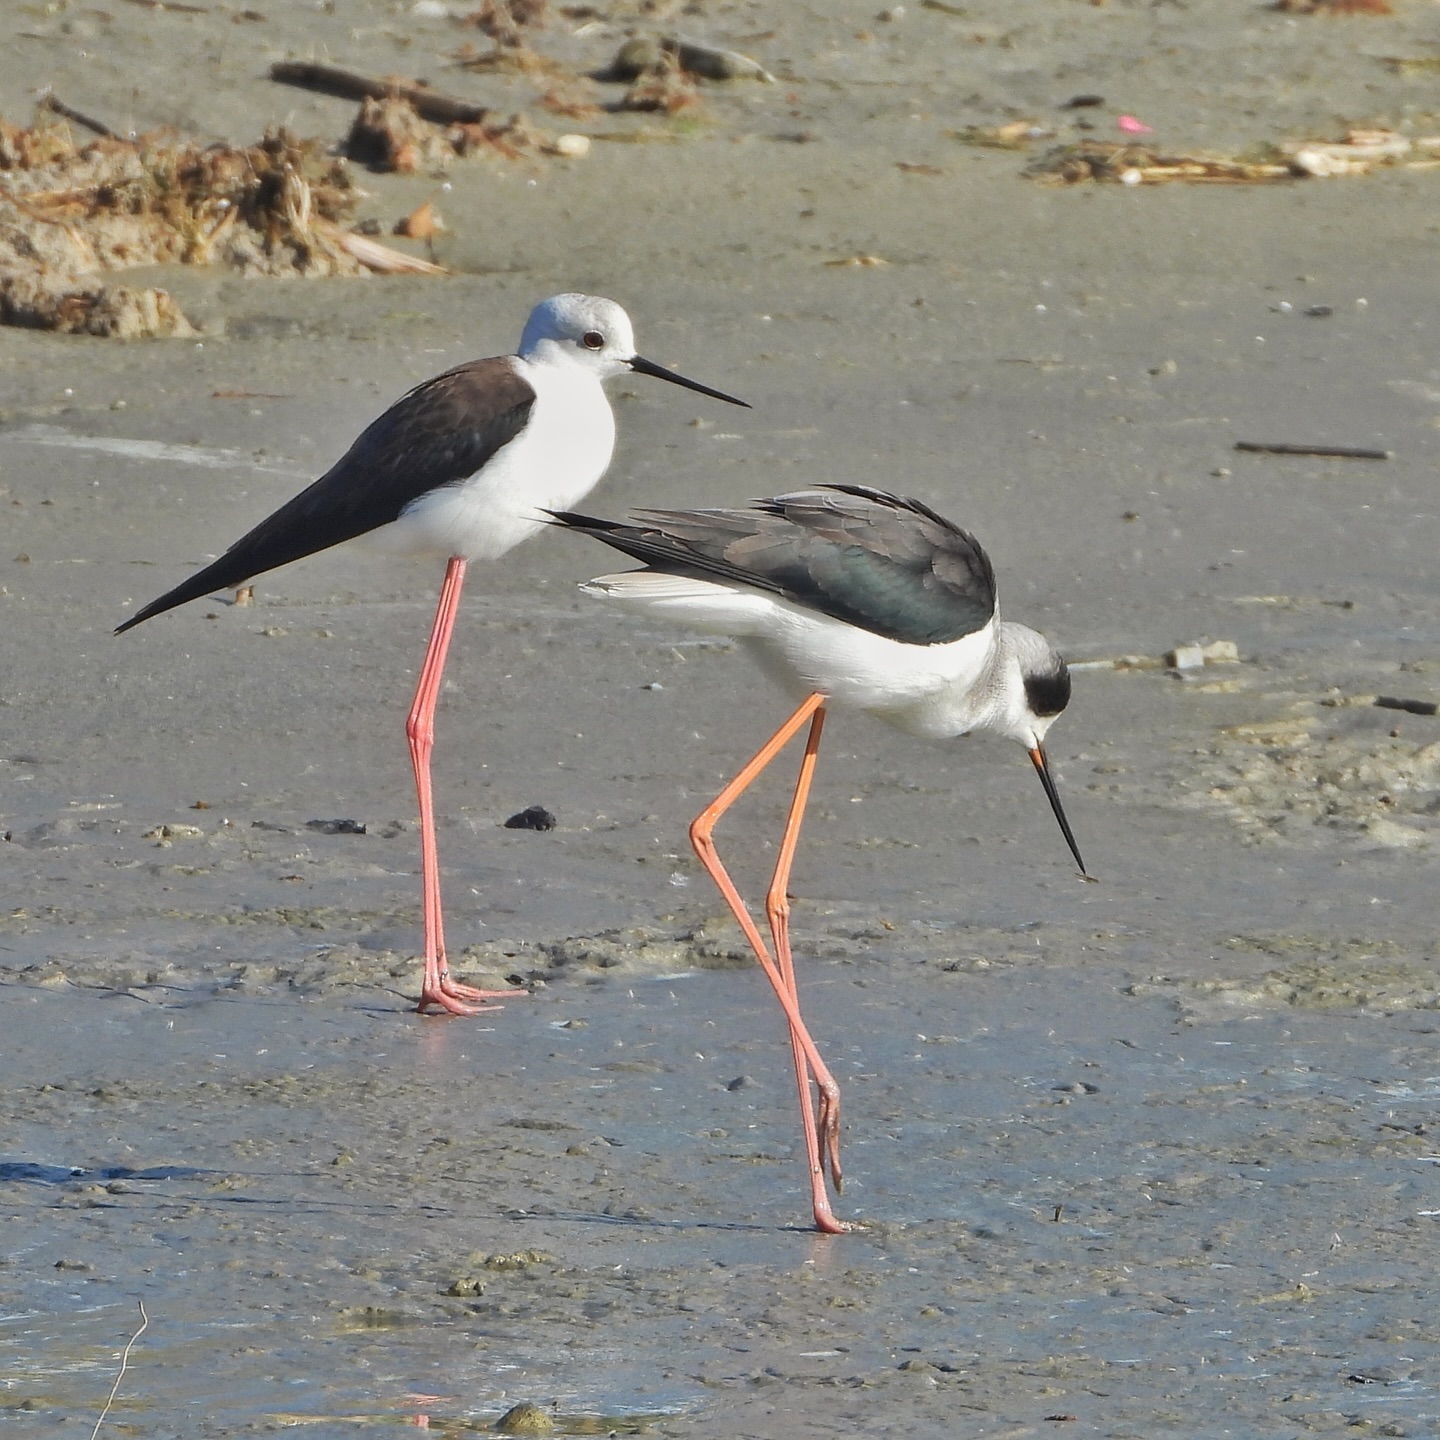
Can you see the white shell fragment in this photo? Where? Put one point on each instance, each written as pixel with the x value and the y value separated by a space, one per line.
pixel 572 147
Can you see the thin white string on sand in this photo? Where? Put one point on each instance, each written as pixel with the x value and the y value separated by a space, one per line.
pixel 124 1362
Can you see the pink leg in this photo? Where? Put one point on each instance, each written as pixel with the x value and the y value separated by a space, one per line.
pixel 437 988
pixel 777 910
pixel 808 1061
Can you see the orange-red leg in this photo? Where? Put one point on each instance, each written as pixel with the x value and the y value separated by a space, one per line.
pixel 777 910
pixel 437 988
pixel 781 973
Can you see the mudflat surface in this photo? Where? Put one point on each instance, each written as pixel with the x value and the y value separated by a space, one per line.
pixel 1156 1154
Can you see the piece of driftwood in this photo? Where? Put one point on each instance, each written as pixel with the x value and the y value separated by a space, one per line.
pixel 1413 707
pixel 348 85
pixel 1333 452
pixel 49 101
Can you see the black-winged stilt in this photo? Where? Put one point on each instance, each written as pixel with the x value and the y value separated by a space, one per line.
pixel 464 466
pixel 852 598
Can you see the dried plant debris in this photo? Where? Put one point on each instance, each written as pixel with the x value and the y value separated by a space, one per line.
pixel 1286 779
pixel 1013 135
pixel 642 54
pixel 1362 151
pixel 1129 164
pixel 71 215
pixel 505 21
pixel 665 89
pixel 389 135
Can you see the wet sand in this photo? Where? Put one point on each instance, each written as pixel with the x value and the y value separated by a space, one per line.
pixel 1155 1153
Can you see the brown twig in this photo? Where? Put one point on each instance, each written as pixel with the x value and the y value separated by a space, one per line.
pixel 49 101
pixel 1334 452
pixel 331 80
pixel 124 1361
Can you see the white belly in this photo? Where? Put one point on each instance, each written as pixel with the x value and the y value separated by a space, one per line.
pixel 934 691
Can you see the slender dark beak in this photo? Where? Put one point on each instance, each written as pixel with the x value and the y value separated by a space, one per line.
pixel 1042 769
pixel 649 367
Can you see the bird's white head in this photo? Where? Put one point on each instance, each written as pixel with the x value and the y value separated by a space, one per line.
pixel 596 335
pixel 1034 685
pixel 584 330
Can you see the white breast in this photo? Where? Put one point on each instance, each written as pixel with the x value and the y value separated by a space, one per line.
pixel 552 464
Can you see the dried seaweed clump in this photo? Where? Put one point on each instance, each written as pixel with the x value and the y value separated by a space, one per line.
pixel 1129 164
pixel 390 134
pixel 505 21
pixel 1357 154
pixel 70 215
pixel 662 86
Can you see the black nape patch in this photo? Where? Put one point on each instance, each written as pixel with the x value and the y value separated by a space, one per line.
pixel 1048 694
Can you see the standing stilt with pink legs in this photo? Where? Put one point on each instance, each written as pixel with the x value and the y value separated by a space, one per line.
pixel 858 599
pixel 464 467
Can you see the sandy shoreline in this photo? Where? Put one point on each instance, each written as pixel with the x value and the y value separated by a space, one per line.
pixel 1218 1063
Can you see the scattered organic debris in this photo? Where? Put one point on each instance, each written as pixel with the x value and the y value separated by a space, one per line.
pixel 1335 7
pixel 1413 707
pixel 1197 654
pixel 505 20
pixel 1360 152
pixel 534 817
pixel 643 54
pixel 422 223
pixel 1013 135
pixel 571 101
pixel 1337 452
pixel 1191 656
pixel 70 214
pixel 665 88
pixel 350 85
pixel 389 134
pixel 1126 164
pixel 48 100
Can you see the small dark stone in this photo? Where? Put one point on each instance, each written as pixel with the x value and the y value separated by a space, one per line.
pixel 1083 102
pixel 536 817
pixel 336 827
pixel 1320 312
pixel 740 1082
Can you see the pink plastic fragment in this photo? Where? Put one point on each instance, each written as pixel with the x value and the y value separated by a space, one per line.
pixel 1131 126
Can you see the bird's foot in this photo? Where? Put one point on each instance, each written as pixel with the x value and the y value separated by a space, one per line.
pixel 827 1224
pixel 456 998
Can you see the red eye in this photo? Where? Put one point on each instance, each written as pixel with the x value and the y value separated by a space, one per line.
pixel 593 340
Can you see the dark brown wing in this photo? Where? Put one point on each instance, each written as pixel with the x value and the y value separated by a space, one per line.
pixel 878 561
pixel 440 433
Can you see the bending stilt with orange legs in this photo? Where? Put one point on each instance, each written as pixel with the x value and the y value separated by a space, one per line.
pixel 437 988
pixel 821 1123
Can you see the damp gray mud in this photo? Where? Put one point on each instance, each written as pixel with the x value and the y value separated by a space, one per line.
pixel 1150 1157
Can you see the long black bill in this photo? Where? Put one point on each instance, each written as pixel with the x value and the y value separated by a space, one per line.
pixel 649 367
pixel 1042 769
